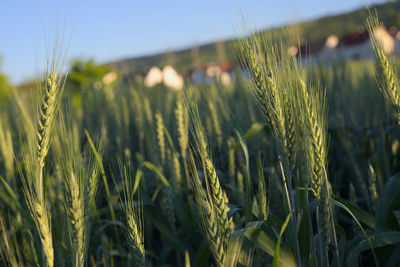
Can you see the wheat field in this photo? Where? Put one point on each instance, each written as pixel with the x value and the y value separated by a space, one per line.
pixel 295 166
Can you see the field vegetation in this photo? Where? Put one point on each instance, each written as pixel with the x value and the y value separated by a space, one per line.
pixel 296 166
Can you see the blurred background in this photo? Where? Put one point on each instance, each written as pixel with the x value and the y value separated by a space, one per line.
pixel 189 36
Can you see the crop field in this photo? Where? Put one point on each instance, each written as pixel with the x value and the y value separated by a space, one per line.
pixel 295 166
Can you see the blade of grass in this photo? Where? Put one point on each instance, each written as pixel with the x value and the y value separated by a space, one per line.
pixel 275 261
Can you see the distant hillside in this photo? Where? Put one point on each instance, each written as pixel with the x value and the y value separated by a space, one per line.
pixel 310 31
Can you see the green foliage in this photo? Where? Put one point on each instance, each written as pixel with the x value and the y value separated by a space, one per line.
pixel 86 74
pixel 5 87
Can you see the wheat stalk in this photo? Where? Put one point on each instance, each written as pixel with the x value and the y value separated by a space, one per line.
pixel 177 169
pixel 138 117
pixel 276 98
pixel 387 77
pixel 133 217
pixel 47 115
pixel 216 123
pixel 8 245
pixel 76 212
pixel 183 128
pixel 372 186
pixel 214 182
pixel 160 137
pixel 231 158
pixel 219 201
pixel 312 105
pixel 78 174
pixel 7 149
pixel 216 244
pixel 168 207
pixel 35 160
pixel 262 191
pixel 210 223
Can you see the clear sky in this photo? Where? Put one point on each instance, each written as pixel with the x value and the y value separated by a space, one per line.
pixel 109 30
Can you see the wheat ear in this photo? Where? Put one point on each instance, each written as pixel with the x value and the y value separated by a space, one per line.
pixel 133 217
pixel 315 134
pixel 160 137
pixel 183 128
pixel 34 163
pixel 76 212
pixel 216 123
pixel 387 78
pixel 6 148
pixel 197 129
pixel 210 224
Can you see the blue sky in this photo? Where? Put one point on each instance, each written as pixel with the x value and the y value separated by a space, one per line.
pixel 109 30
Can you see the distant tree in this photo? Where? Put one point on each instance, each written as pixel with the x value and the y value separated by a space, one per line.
pixel 5 86
pixel 86 74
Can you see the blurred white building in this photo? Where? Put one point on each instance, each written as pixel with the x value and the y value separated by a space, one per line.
pixel 110 77
pixel 153 77
pixel 172 78
pixel 169 76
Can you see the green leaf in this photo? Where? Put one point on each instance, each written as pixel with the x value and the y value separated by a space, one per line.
pixel 138 176
pixel 99 160
pixel 341 245
pixel 268 245
pixel 10 197
pixel 203 254
pixel 304 236
pixel 360 214
pixel 397 214
pixel 105 225
pixel 160 224
pixel 247 175
pixel 394 259
pixel 240 250
pixel 275 261
pixel 359 225
pixel 150 166
pixel 377 240
pixel 169 139
pixel 254 129
pixel 261 239
pixel 389 202
pixel 187 259
pixel 9 189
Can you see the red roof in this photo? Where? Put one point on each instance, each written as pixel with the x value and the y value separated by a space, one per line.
pixel 310 48
pixel 354 38
pixel 224 66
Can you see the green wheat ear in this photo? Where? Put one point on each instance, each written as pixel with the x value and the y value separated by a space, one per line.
pixel 78 174
pixel 183 127
pixel 161 138
pixel 34 158
pixel 209 222
pixel 133 213
pixel 6 148
pixel 387 76
pixel 216 195
pixel 47 115
pixel 312 105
